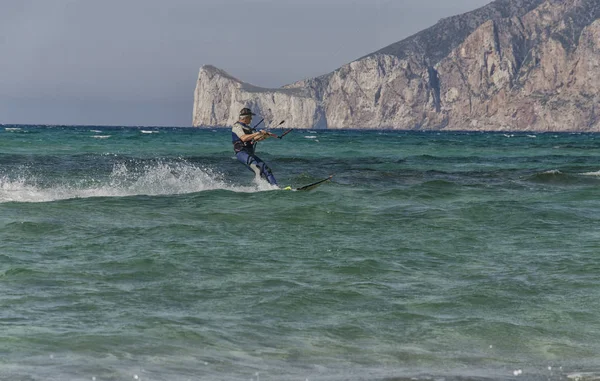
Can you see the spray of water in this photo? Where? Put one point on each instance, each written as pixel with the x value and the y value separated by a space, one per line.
pixel 125 180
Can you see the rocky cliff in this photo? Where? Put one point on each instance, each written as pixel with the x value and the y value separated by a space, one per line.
pixel 529 65
pixel 219 97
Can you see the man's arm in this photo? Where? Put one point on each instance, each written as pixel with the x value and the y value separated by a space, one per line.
pixel 255 136
pixel 263 135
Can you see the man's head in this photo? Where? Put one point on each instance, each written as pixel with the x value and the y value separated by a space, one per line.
pixel 246 115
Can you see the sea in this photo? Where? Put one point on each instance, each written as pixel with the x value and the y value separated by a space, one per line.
pixel 145 253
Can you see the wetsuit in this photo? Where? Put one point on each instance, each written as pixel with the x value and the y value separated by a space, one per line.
pixel 244 151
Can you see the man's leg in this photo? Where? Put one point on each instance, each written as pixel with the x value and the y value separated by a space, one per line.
pixel 265 171
pixel 246 159
pixel 259 167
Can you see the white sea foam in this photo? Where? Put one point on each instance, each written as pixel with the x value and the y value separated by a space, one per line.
pixel 596 174
pixel 552 172
pixel 148 132
pixel 11 129
pixel 101 136
pixel 125 180
pixel 583 376
pixel 310 137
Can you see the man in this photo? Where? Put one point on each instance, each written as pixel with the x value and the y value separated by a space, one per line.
pixel 244 140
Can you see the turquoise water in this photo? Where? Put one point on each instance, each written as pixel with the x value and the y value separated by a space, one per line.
pixel 150 254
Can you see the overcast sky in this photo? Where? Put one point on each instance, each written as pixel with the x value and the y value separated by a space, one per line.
pixel 135 62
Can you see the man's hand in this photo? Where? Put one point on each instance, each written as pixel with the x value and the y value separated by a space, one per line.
pixel 262 135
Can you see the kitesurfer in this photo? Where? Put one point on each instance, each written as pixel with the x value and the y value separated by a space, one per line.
pixel 244 139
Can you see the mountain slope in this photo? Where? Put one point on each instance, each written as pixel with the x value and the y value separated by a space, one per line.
pixel 511 65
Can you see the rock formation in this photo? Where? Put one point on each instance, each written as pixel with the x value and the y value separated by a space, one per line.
pixel 520 65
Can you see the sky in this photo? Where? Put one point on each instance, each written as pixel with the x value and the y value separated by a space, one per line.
pixel 136 62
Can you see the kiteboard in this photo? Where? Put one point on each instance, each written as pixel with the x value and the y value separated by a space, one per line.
pixel 310 186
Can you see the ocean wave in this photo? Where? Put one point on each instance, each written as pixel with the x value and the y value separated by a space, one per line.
pixel 595 174
pixel 550 176
pixel 131 179
pixel 556 176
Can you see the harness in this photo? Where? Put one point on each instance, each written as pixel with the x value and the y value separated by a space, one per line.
pixel 238 144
